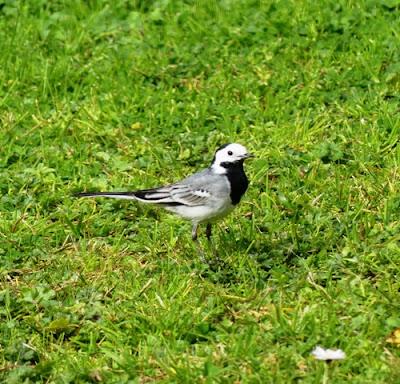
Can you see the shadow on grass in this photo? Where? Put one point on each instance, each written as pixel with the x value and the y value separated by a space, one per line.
pixel 232 262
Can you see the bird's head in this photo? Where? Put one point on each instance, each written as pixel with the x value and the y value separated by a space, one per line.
pixel 229 155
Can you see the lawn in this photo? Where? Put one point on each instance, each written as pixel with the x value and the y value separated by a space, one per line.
pixel 108 96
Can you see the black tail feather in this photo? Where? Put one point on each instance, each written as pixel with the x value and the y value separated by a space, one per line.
pixel 144 195
pixel 105 194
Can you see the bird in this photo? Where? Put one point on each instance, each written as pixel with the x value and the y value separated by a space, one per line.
pixel 203 197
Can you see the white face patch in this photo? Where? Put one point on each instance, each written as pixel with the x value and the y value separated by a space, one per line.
pixel 229 154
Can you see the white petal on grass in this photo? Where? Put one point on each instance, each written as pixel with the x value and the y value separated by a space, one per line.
pixel 328 354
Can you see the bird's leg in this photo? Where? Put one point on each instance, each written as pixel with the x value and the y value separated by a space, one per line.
pixel 208 231
pixel 198 246
pixel 194 231
pixel 214 250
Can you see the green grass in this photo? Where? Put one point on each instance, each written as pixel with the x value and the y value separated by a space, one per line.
pixel 98 95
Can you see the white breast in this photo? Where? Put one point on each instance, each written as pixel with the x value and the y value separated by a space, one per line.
pixel 203 213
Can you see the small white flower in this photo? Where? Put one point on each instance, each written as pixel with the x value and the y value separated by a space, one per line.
pixel 328 354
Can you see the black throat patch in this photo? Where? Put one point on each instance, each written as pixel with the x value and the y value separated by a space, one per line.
pixel 237 179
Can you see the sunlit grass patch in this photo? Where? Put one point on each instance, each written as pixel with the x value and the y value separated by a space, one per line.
pixel 100 96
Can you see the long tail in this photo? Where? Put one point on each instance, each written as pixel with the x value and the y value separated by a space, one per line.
pixel 156 196
pixel 114 195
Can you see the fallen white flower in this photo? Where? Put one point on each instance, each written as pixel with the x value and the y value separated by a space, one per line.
pixel 328 354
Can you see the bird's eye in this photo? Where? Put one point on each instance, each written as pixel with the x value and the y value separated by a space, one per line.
pixel 230 153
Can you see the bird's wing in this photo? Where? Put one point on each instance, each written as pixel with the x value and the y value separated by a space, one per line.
pixel 175 194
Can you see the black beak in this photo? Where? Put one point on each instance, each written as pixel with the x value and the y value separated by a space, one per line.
pixel 248 156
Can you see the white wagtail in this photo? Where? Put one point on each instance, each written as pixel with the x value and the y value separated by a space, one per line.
pixel 202 197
